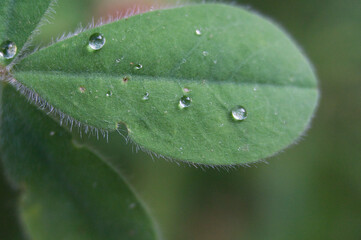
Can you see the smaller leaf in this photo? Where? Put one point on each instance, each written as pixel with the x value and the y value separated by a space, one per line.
pixel 69 193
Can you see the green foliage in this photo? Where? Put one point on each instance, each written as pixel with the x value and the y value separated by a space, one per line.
pixel 21 20
pixel 220 56
pixel 69 193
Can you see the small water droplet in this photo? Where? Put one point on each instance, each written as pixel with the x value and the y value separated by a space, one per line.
pixel 96 41
pixel 52 133
pixel 254 89
pixel 185 102
pixel 146 96
pixel 239 113
pixel 108 94
pixel 8 50
pixel 138 66
pixel 198 32
pixel 205 53
pixel 215 61
pixel 184 60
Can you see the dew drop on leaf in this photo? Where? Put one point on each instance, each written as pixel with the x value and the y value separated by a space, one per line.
pixel 96 41
pixel 198 32
pixel 8 50
pixel 146 96
pixel 138 66
pixel 239 113
pixel 205 53
pixel 185 102
pixel 109 93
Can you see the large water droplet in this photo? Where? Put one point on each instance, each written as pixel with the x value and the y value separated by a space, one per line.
pixel 8 49
pixel 185 102
pixel 96 41
pixel 239 113
pixel 198 32
pixel 146 96
pixel 138 66
pixel 108 94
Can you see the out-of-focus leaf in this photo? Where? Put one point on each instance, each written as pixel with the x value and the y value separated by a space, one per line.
pixel 68 192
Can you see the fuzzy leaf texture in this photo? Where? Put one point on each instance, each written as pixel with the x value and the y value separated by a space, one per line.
pixel 20 21
pixel 68 192
pixel 220 56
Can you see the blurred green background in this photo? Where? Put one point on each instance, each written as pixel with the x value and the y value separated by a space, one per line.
pixel 310 191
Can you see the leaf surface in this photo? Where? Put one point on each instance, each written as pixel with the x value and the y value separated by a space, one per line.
pixel 218 55
pixel 20 21
pixel 68 192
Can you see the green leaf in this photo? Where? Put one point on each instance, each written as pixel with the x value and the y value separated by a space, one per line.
pixel 220 56
pixel 69 193
pixel 20 21
pixel 10 228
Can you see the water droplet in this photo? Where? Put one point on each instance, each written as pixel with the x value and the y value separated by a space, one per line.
pixel 254 89
pixel 109 93
pixel 96 41
pixel 185 102
pixel 146 96
pixel 215 61
pixel 184 60
pixel 138 66
pixel 8 50
pixel 239 113
pixel 198 32
pixel 52 133
pixel 205 53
